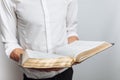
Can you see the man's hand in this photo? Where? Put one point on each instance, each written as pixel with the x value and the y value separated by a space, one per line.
pixel 15 54
pixel 72 39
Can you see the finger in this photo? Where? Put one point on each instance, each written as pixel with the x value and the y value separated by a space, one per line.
pixel 16 57
pixel 48 69
pixel 12 56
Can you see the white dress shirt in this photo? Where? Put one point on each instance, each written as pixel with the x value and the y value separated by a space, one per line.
pixel 40 25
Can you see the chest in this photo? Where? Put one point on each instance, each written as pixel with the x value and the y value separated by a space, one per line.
pixel 36 10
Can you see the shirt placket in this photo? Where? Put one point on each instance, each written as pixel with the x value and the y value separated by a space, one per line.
pixel 47 25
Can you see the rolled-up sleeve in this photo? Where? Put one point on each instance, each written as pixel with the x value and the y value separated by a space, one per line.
pixel 72 14
pixel 8 26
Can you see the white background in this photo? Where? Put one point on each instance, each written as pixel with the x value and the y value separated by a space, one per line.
pixel 97 20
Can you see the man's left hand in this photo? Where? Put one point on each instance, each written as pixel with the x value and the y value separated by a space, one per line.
pixel 72 39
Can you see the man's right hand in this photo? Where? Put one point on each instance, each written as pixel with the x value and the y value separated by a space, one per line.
pixel 15 54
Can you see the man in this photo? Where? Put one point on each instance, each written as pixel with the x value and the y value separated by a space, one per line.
pixel 40 25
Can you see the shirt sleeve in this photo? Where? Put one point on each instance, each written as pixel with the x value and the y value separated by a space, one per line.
pixel 71 22
pixel 8 26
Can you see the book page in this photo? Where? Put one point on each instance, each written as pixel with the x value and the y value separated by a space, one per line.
pixel 77 47
pixel 38 54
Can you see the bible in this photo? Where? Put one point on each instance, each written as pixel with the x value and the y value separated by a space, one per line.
pixel 63 56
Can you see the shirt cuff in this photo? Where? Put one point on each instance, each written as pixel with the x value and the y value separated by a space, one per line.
pixel 9 47
pixel 72 34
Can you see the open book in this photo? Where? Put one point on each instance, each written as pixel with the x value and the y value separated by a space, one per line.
pixel 63 56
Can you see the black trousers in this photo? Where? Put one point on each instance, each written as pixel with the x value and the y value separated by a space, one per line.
pixel 66 75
